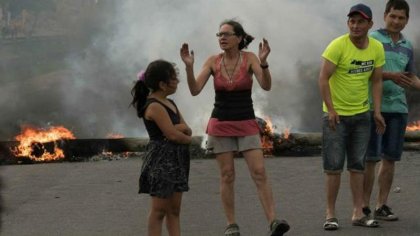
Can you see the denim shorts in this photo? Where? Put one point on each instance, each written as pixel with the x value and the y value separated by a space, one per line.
pixel 388 146
pixel 217 144
pixel 349 139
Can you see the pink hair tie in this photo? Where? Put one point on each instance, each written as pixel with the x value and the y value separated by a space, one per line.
pixel 141 75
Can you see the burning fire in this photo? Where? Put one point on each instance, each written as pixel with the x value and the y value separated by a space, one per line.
pixel 414 126
pixel 32 143
pixel 268 136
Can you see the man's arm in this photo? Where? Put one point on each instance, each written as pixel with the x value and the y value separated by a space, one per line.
pixel 327 69
pixel 400 78
pixel 376 80
pixel 415 81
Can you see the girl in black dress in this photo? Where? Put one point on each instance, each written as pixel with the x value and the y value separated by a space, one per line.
pixel 165 169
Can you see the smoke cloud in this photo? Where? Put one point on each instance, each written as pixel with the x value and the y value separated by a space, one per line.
pixel 91 96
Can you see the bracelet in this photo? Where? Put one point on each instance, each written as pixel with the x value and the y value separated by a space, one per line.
pixel 264 66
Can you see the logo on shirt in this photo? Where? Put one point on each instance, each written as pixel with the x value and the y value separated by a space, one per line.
pixel 362 66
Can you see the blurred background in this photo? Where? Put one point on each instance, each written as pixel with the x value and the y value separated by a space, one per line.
pixel 72 63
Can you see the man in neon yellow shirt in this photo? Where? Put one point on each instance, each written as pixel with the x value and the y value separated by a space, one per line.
pixel 349 63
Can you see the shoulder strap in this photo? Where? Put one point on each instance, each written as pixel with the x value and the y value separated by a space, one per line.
pixel 148 102
pixel 176 107
pixel 152 100
pixel 218 63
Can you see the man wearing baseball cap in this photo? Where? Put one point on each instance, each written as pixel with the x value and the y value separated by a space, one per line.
pixel 349 63
pixel 361 9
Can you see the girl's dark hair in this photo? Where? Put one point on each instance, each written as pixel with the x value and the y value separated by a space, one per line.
pixel 156 72
pixel 398 5
pixel 239 31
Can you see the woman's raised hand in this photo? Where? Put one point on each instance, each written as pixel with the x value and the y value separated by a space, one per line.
pixel 263 51
pixel 186 56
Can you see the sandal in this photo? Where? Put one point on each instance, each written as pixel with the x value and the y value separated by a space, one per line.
pixel 365 222
pixel 331 224
pixel 279 227
pixel 232 230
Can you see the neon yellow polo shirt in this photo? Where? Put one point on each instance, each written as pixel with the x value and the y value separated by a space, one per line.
pixel 349 84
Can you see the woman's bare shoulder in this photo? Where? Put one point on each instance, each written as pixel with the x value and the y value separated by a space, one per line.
pixel 249 54
pixel 211 60
pixel 214 57
pixel 153 110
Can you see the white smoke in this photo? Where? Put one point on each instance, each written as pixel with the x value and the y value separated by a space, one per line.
pixel 93 96
pixel 298 31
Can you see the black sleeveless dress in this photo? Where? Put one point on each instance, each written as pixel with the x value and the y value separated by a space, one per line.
pixel 166 165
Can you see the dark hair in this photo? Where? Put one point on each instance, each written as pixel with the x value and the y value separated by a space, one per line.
pixel 156 72
pixel 398 5
pixel 239 31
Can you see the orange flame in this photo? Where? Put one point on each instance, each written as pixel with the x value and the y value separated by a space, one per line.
pixel 414 126
pixel 269 127
pixel 268 134
pixel 266 138
pixel 266 143
pixel 34 137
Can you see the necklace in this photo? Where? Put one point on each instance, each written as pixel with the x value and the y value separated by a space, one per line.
pixel 234 68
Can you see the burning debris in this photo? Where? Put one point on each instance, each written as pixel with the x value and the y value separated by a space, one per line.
pixel 286 143
pixel 309 144
pixel 73 150
pixel 413 126
pixel 41 144
pixel 54 144
pixel 268 137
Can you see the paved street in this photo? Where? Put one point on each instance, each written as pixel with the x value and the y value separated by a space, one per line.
pixel 100 198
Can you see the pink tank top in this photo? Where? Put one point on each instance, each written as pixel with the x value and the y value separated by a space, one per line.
pixel 242 80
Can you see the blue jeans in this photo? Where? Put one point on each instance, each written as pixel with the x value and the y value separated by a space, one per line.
pixel 388 146
pixel 349 139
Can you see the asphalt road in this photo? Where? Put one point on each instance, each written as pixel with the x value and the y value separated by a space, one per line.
pixel 100 198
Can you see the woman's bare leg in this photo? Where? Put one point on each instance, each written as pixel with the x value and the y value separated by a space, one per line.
pixel 255 160
pixel 227 179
